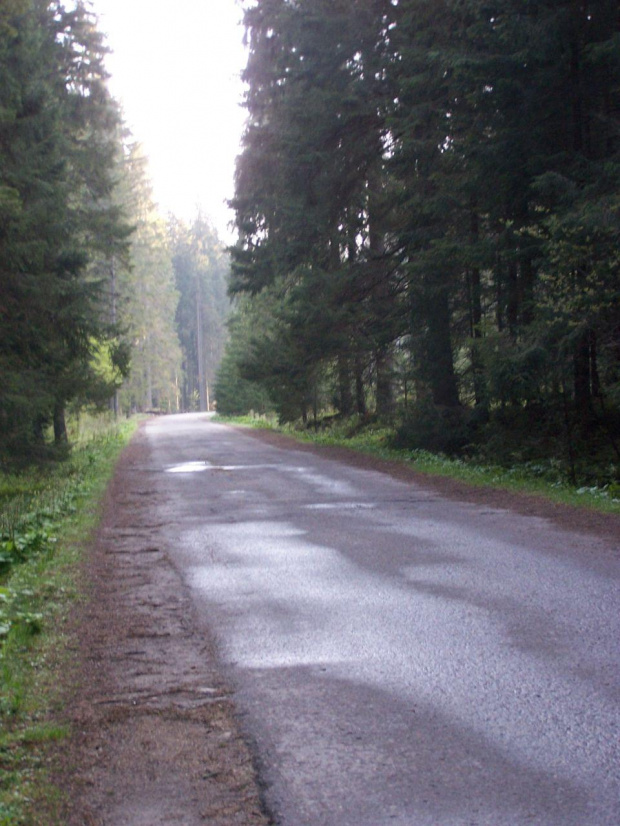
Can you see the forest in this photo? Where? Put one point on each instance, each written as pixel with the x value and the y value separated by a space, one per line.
pixel 427 208
pixel 428 213
pixel 104 303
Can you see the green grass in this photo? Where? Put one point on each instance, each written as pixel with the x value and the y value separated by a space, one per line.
pixel 48 517
pixel 538 479
pixel 259 422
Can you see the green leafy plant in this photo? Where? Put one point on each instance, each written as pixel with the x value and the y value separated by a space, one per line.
pixel 15 611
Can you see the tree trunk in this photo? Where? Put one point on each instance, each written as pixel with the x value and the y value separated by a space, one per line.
pixel 114 400
pixel 528 275
pixel 583 363
pixel 476 361
pixel 60 424
pixel 382 298
pixel 476 315
pixel 440 366
pixel 594 374
pixel 512 300
pixel 385 394
pixel 569 441
pixel 360 390
pixel 148 401
pixel 345 397
pixel 499 294
pixel 200 348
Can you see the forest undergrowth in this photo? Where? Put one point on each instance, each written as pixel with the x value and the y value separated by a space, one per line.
pixel 47 515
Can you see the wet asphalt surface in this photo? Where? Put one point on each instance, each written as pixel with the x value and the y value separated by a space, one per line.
pixel 396 657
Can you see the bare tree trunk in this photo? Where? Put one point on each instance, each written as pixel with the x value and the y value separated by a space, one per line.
pixel 360 392
pixel 345 400
pixel 439 356
pixel 476 316
pixel 60 424
pixel 385 394
pixel 512 303
pixel 383 352
pixel 114 400
pixel 149 384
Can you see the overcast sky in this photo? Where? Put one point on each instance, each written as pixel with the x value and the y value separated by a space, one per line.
pixel 175 69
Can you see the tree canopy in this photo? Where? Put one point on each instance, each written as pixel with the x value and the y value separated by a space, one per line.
pixel 428 194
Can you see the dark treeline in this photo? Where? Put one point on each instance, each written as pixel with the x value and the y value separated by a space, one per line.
pixel 428 207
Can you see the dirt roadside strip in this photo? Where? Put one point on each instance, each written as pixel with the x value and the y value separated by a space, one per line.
pixel 155 738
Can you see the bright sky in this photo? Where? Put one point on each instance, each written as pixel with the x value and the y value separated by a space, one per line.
pixel 175 69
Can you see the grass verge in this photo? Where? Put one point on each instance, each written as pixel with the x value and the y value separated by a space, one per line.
pixel 47 519
pixel 537 479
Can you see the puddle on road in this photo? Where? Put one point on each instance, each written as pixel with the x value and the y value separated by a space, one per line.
pixel 200 467
pixel 351 506
pixel 189 467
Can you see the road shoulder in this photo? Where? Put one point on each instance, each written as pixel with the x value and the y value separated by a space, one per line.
pixel 155 740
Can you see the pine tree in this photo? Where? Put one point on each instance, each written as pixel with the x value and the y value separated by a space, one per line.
pixel 434 184
pixel 310 185
pixel 53 192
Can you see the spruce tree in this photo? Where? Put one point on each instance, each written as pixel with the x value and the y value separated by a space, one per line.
pixel 57 140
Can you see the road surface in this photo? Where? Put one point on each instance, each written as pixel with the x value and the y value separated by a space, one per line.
pixel 396 657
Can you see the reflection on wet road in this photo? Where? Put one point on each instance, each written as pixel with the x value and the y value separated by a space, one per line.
pixel 397 658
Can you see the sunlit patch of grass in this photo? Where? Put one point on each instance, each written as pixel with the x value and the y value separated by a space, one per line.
pixel 264 422
pixel 51 515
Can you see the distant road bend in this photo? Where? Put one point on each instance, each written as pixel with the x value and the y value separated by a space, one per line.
pixel 396 657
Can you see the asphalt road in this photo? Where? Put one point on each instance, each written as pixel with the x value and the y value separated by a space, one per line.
pixel 397 657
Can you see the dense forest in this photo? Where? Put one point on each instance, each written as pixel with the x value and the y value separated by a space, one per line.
pixel 428 209
pixel 96 288
pixel 428 212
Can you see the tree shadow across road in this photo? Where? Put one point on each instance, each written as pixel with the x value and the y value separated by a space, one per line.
pixel 393 761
